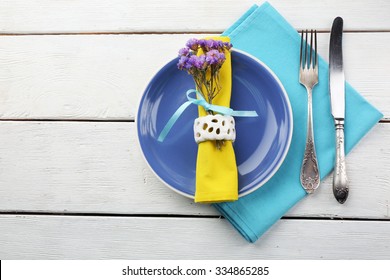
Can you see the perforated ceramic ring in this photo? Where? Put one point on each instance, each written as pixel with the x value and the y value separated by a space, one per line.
pixel 214 127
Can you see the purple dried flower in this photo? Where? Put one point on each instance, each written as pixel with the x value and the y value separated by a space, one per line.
pixel 193 44
pixel 211 57
pixel 217 44
pixel 200 62
pixel 183 63
pixel 215 57
pixel 184 51
pixel 196 61
pixel 212 44
pixel 220 45
pixel 202 43
pixel 227 45
pixel 221 58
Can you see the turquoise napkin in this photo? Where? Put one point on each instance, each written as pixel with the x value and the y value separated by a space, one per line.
pixel 264 33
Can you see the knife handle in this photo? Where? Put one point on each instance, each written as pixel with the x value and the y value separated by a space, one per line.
pixel 340 180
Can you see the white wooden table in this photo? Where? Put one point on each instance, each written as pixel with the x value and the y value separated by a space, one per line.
pixel 73 183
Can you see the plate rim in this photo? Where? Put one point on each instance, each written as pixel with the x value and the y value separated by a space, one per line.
pixel 282 158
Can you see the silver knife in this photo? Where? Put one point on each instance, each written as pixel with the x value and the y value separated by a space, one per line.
pixel 337 98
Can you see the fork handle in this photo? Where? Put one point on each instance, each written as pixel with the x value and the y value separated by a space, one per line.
pixel 340 179
pixel 310 175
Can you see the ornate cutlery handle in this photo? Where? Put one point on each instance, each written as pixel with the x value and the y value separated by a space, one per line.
pixel 340 180
pixel 310 175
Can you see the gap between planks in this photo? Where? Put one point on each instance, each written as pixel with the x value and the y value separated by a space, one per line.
pixel 68 120
pixel 175 216
pixel 384 120
pixel 212 32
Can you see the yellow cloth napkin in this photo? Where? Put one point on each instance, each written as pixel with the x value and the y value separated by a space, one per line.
pixel 216 169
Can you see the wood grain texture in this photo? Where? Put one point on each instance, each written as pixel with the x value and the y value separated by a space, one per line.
pixel 54 237
pixel 97 167
pixel 103 76
pixel 62 16
pixel 95 172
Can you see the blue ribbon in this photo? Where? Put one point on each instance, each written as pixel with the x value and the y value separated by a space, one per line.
pixel 200 101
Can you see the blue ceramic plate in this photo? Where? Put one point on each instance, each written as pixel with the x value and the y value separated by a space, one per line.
pixel 261 144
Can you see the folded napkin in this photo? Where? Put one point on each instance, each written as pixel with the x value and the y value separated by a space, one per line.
pixel 264 33
pixel 216 170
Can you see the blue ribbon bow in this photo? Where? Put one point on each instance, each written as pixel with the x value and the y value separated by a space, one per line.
pixel 200 101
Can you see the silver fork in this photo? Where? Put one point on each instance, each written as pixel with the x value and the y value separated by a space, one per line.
pixel 308 77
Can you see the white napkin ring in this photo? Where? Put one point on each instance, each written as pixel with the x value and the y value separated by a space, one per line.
pixel 214 127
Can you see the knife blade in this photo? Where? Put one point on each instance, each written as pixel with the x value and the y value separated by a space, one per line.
pixel 336 70
pixel 337 98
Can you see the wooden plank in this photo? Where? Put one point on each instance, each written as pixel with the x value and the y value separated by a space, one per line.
pixel 103 77
pixel 79 167
pixel 79 77
pixel 179 15
pixel 56 237
pixel 97 167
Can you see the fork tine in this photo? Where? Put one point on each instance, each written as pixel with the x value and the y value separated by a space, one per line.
pixel 305 65
pixel 311 62
pixel 301 51
pixel 315 49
